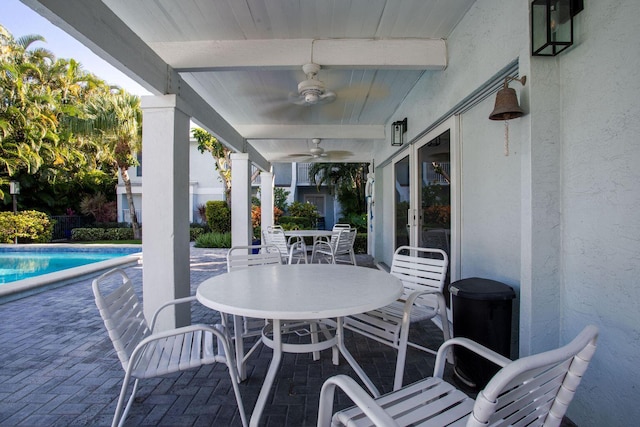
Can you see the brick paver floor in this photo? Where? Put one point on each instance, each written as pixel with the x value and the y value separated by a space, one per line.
pixel 58 367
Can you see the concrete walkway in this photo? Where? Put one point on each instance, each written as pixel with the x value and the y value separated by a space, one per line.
pixel 58 367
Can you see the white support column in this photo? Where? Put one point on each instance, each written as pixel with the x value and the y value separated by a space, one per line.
pixel 165 200
pixel 266 199
pixel 241 231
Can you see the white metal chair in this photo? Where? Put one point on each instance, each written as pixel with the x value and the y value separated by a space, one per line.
pixel 531 391
pixel 293 248
pixel 340 245
pixel 339 226
pixel 244 257
pixel 423 272
pixel 144 353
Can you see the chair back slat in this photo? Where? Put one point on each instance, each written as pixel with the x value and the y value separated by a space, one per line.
pixel 243 257
pixel 536 388
pixel 274 236
pixel 421 269
pixel 122 314
pixel 344 241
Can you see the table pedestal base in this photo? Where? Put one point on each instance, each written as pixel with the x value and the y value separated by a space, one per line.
pixel 336 342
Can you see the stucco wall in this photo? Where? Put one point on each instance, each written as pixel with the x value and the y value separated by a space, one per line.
pixel 601 205
pixel 566 226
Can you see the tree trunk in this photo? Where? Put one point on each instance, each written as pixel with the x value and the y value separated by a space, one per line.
pixel 132 209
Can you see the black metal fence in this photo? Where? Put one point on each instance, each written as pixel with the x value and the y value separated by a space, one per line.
pixel 65 223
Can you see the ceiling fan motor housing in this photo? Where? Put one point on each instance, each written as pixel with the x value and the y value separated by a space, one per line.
pixel 311 90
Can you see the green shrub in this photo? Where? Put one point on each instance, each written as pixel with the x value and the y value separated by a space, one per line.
pixel 303 209
pixel 195 232
pixel 357 221
pixel 360 245
pixel 26 226
pixel 88 234
pixel 213 240
pixel 296 222
pixel 118 234
pixel 218 216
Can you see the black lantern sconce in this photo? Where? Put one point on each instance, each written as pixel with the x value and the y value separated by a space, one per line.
pixel 552 25
pixel 398 130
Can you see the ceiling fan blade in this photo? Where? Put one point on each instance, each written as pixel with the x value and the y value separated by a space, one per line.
pixel 339 154
pixel 296 99
pixel 285 111
pixel 327 97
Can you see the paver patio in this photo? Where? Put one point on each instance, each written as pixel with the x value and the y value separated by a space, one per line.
pixel 58 367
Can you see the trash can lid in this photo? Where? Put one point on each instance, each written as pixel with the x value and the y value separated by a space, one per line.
pixel 481 289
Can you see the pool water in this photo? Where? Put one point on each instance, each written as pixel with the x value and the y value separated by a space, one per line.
pixel 21 264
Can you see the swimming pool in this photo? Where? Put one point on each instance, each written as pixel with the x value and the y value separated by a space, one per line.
pixel 27 267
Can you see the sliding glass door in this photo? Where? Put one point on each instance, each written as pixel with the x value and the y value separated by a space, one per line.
pixel 426 180
pixel 402 195
pixel 434 195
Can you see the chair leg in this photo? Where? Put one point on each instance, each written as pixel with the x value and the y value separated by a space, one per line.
pixel 233 375
pixel 400 362
pixel 402 352
pixel 120 416
pixel 313 327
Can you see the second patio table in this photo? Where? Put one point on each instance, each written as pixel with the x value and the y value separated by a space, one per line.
pixel 299 292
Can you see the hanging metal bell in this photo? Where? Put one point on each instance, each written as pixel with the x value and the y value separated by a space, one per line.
pixel 506 107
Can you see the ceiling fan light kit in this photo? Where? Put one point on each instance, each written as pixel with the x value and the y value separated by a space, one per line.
pixel 312 91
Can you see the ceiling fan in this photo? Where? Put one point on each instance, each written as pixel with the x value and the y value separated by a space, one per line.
pixel 312 90
pixel 317 153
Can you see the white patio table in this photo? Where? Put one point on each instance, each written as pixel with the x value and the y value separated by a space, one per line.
pixel 309 233
pixel 300 292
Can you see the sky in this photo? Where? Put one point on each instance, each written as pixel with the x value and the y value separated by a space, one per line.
pixel 20 20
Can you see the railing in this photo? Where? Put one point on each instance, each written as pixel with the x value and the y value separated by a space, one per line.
pixel 303 174
pixel 126 215
pixel 435 178
pixel 65 223
pixel 256 181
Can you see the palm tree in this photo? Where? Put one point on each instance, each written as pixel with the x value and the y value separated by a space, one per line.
pixel 346 180
pixel 116 118
pixel 221 155
pixel 28 123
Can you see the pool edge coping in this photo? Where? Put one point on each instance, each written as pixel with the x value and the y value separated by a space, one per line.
pixel 25 287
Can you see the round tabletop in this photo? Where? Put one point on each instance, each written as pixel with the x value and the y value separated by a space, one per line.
pixel 300 291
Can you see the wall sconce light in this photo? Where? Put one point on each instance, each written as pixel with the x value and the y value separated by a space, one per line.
pixel 398 130
pixel 507 107
pixel 552 25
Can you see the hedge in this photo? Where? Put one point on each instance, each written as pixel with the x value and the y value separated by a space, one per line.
pixel 93 234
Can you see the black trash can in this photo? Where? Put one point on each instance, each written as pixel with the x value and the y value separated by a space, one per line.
pixel 481 312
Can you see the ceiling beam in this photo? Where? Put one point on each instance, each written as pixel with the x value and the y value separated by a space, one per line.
pixel 93 24
pixel 213 55
pixel 369 132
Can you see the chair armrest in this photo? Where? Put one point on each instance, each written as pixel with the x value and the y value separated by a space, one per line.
pixel 294 239
pixel 137 352
pixel 357 394
pixel 188 299
pixel 473 346
pixel 322 244
pixel 413 296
